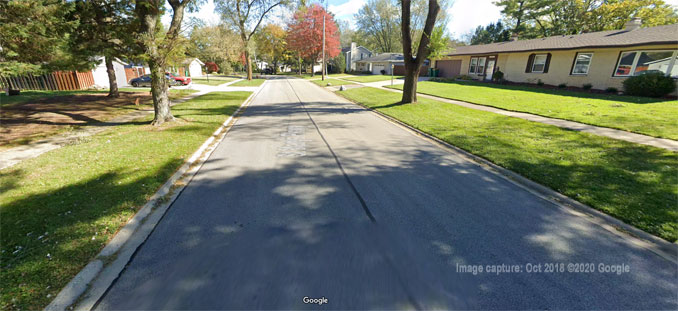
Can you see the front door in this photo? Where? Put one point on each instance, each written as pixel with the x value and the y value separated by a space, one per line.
pixel 489 69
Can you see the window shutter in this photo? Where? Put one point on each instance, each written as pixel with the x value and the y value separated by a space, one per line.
pixel 530 61
pixel 548 61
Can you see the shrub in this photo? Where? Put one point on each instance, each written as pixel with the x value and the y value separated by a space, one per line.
pixel 540 82
pixel 562 85
pixel 465 77
pixel 498 76
pixel 653 84
pixel 383 71
pixel 611 90
pixel 587 86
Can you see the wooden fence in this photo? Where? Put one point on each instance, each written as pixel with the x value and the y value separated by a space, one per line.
pixel 56 81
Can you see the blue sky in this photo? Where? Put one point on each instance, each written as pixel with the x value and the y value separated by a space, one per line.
pixel 465 15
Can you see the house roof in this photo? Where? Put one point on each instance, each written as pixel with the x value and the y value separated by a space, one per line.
pixel 383 58
pixel 190 60
pixel 667 34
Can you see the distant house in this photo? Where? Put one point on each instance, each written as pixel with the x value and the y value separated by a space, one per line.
pixel 353 54
pixel 100 74
pixel 386 61
pixel 190 67
pixel 603 59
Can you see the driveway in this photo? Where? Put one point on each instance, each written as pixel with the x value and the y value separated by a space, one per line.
pixel 311 196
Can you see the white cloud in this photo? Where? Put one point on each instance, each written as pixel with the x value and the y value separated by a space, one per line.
pixel 466 15
pixel 347 9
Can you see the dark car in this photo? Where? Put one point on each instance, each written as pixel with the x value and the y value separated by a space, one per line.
pixel 267 71
pixel 145 80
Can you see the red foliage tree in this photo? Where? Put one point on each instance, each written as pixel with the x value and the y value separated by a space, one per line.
pixel 211 67
pixel 305 34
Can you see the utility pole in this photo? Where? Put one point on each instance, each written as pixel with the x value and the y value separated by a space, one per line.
pixel 323 67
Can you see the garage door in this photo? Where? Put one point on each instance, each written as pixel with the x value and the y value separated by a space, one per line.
pixel 449 68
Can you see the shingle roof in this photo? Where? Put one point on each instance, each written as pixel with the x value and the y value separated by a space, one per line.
pixel 384 57
pixel 667 34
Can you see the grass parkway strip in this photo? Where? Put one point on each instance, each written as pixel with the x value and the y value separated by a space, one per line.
pixel 371 78
pixel 333 82
pixel 253 82
pixel 61 208
pixel 642 115
pixel 634 183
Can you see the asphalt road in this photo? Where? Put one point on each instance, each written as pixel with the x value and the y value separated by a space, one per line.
pixel 311 196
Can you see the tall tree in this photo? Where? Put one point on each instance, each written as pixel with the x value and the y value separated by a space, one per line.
pixel 245 16
pixel 159 47
pixel 414 61
pixel 543 18
pixel 494 32
pixel 105 28
pixel 305 34
pixel 214 44
pixel 272 45
pixel 379 20
pixel 32 36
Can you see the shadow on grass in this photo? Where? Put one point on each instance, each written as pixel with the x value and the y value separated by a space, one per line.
pixel 569 93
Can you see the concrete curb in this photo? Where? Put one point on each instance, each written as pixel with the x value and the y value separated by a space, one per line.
pixel 92 282
pixel 637 237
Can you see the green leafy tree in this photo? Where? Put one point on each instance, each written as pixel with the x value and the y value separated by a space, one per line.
pixel 214 44
pixel 34 36
pixel 272 45
pixel 494 32
pixel 378 21
pixel 108 29
pixel 413 60
pixel 245 16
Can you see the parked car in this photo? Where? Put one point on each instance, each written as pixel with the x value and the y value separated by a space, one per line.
pixel 267 71
pixel 181 79
pixel 145 80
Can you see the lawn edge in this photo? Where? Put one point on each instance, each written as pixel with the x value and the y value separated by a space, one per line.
pixel 536 114
pixel 92 282
pixel 638 237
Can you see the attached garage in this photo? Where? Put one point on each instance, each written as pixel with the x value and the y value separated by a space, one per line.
pixel 449 68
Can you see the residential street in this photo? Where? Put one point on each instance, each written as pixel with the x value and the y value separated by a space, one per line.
pixel 312 196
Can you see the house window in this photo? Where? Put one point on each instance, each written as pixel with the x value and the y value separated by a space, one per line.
pixel 582 63
pixel 474 64
pixel 539 63
pixel 477 65
pixel 640 62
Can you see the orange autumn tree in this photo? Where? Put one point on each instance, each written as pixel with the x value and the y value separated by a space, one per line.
pixel 305 34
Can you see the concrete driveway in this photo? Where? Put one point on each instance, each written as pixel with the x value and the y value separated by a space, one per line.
pixel 311 196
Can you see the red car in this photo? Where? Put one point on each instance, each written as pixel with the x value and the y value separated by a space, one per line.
pixel 180 80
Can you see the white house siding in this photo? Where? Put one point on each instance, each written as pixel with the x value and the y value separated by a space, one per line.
pixel 195 69
pixel 101 76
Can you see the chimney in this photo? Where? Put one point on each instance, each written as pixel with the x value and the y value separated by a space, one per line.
pixel 353 46
pixel 514 37
pixel 633 24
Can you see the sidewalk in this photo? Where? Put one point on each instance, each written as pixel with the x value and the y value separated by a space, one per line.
pixel 15 155
pixel 663 143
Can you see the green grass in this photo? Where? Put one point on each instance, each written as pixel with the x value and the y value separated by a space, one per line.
pixel 253 82
pixel 334 82
pixel 213 80
pixel 69 202
pixel 634 183
pixel 372 78
pixel 635 114
pixel 332 75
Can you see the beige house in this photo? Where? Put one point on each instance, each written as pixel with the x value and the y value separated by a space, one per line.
pixel 603 59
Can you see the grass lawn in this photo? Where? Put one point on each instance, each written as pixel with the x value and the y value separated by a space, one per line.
pixel 642 115
pixel 253 82
pixel 213 80
pixel 334 82
pixel 634 183
pixel 372 78
pixel 69 202
pixel 43 114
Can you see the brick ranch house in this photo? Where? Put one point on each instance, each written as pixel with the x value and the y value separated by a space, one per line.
pixel 603 59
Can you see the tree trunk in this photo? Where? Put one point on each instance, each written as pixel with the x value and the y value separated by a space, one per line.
pixel 161 102
pixel 248 60
pixel 112 82
pixel 410 86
